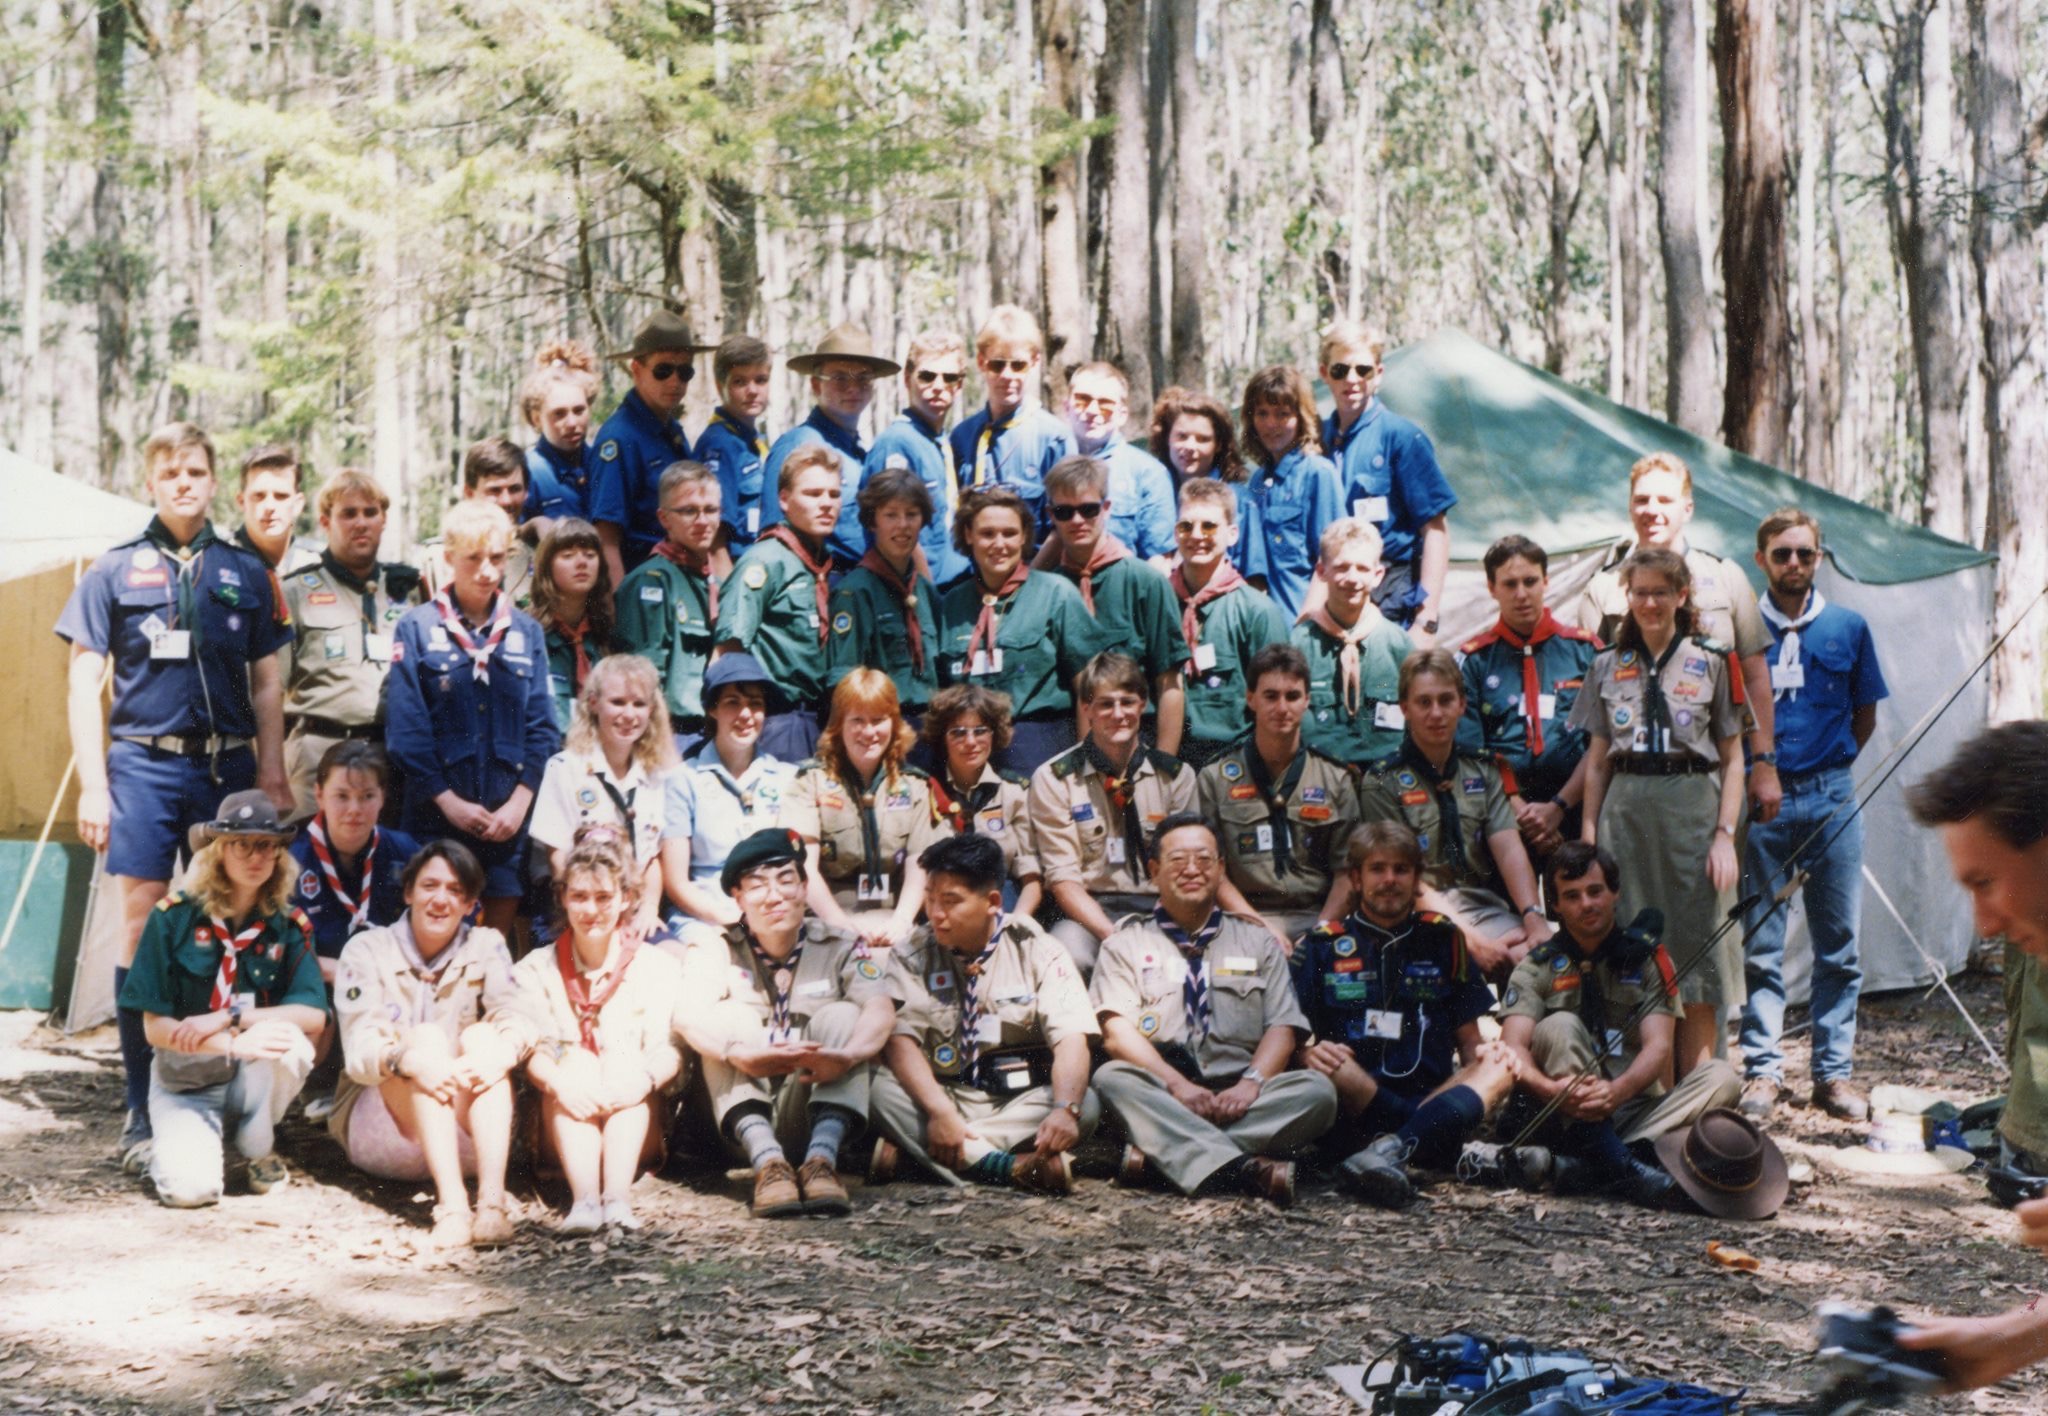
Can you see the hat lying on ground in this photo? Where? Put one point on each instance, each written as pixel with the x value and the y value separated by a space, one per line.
pixel 1729 1167
pixel 243 816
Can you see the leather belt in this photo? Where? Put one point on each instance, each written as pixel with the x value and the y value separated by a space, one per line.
pixel 184 746
pixel 334 728
pixel 1659 764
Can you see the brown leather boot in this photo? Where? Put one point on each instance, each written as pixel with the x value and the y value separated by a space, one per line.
pixel 882 1163
pixel 1272 1180
pixel 776 1193
pixel 1045 1173
pixel 823 1194
pixel 1135 1171
pixel 1841 1099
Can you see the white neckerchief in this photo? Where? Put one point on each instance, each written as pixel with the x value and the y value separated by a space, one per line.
pixel 1788 647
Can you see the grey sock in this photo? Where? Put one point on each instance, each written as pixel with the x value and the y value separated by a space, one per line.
pixel 756 1135
pixel 828 1129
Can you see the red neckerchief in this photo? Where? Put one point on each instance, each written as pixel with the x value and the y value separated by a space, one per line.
pixel 697 563
pixel 585 1005
pixel 231 947
pixel 1532 705
pixel 1222 581
pixel 877 565
pixel 820 567
pixel 1108 551
pixel 358 906
pixel 479 654
pixel 985 627
pixel 574 634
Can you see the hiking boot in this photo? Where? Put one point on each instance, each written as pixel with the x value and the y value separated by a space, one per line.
pixel 1134 1171
pixel 1043 1172
pixel 823 1194
pixel 1841 1099
pixel 267 1173
pixel 1379 1174
pixel 882 1161
pixel 1644 1185
pixel 1271 1180
pixel 137 1142
pixel 490 1227
pixel 776 1192
pixel 1499 1167
pixel 1760 1097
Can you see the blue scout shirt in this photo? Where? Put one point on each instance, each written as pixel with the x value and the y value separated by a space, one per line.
pixel 557 482
pixel 912 445
pixel 1142 504
pixel 1390 477
pixel 1839 674
pixel 633 449
pixel 849 539
pixel 736 453
pixel 223 597
pixel 448 732
pixel 315 898
pixel 706 806
pixel 1351 974
pixel 1016 453
pixel 1297 499
pixel 1495 722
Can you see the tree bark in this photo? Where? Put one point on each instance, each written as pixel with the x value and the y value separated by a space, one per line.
pixel 2004 223
pixel 1190 218
pixel 1756 407
pixel 389 437
pixel 1816 443
pixel 1126 180
pixel 114 327
pixel 184 249
pixel 33 438
pixel 1326 105
pixel 1689 363
pixel 1059 201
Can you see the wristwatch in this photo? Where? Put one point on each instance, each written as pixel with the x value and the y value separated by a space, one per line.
pixel 235 1015
pixel 1532 909
pixel 1428 626
pixel 1767 759
pixel 1073 1109
pixel 1252 1074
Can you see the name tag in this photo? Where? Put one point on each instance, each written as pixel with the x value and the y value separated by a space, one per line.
pixel 873 889
pixel 1237 966
pixel 986 661
pixel 515 641
pixel 1383 1023
pixel 1264 837
pixel 1546 706
pixel 377 648
pixel 1114 846
pixel 753 520
pixel 1205 656
pixel 652 594
pixel 1389 716
pixel 1788 675
pixel 814 988
pixel 171 644
pixel 988 1029
pixel 1369 508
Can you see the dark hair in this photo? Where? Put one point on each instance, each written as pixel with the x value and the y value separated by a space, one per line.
pixel 572 533
pixel 956 701
pixel 1276 659
pixel 999 498
pixel 1573 859
pixel 972 858
pixel 1177 403
pixel 1671 565
pixel 1508 548
pixel 1109 672
pixel 1287 386
pixel 493 457
pixel 893 484
pixel 1174 823
pixel 469 874
pixel 353 755
pixel 272 457
pixel 1996 775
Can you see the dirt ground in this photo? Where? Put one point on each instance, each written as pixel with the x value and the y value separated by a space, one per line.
pixel 311 1299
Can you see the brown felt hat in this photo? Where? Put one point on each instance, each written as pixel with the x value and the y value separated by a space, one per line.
pixel 663 332
pixel 849 345
pixel 247 816
pixel 1727 1164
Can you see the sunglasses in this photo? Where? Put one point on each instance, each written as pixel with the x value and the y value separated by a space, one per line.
pixel 1087 511
pixel 1346 371
pixel 664 372
pixel 967 734
pixel 1006 366
pixel 929 377
pixel 1198 528
pixel 1785 555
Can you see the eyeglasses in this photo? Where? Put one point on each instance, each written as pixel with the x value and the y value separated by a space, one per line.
pixel 845 380
pixel 254 848
pixel 1089 400
pixel 963 733
pixel 1347 371
pixel 1181 860
pixel 1006 366
pixel 1087 511
pixel 763 882
pixel 1198 528
pixel 692 513
pixel 1785 555
pixel 662 373
pixel 1652 597
pixel 928 377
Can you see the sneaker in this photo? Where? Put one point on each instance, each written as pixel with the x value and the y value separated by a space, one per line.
pixel 1133 1171
pixel 490 1227
pixel 818 1178
pixel 267 1173
pixel 882 1161
pixel 1379 1174
pixel 618 1213
pixel 1271 1180
pixel 1760 1097
pixel 584 1217
pixel 1044 1173
pixel 137 1142
pixel 1499 1167
pixel 1841 1099
pixel 452 1227
pixel 776 1192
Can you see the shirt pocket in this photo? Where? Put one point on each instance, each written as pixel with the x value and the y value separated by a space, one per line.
pixel 1237 1009
pixel 1832 663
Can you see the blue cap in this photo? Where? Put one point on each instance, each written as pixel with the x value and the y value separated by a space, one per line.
pixel 734 668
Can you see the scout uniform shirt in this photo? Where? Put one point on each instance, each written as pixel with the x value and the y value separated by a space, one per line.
pixel 1135 608
pixel 1024 1001
pixel 1015 453
pixel 735 454
pixel 1083 835
pixel 912 445
pixel 1229 630
pixel 435 575
pixel 1370 728
pixel 714 812
pixel 299 554
pixel 384 989
pixel 1141 497
pixel 863 836
pixel 996 807
pixel 871 629
pixel 557 482
pixel 579 789
pixel 1242 988
pixel 769 607
pixel 1452 812
pixel 849 539
pixel 1701 687
pixel 1721 597
pixel 634 448
pixel 1297 498
pixel 663 614
pixel 1496 718
pixel 729 992
pixel 330 892
pixel 1044 637
pixel 1281 835
pixel 637 1021
pixel 178 965
pixel 1556 978
pixel 1390 476
pixel 1395 997
pixel 334 670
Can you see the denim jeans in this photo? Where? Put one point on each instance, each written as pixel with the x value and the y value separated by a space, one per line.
pixel 1833 857
pixel 188 1164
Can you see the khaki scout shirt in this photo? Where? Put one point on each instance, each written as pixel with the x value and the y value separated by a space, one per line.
pixel 1720 593
pixel 1029 991
pixel 1699 684
pixel 729 998
pixel 1003 818
pixel 636 1022
pixel 1080 834
pixel 1403 788
pixel 518 582
pixel 335 665
pixel 1138 975
pixel 821 808
pixel 382 993
pixel 1321 809
pixel 1550 981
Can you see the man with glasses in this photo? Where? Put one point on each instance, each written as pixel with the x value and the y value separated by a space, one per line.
pixel 842 370
pixel 1200 1021
pixel 787 1016
pixel 934 368
pixel 668 607
pixel 641 438
pixel 1224 620
pixel 1013 441
pixel 1140 490
pixel 1825 687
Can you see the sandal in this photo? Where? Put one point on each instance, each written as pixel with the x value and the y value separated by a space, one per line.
pixel 452 1227
pixel 491 1227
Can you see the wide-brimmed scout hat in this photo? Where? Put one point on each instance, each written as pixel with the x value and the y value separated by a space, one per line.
pixel 1727 1164
pixel 663 332
pixel 243 816
pixel 849 344
pixel 771 845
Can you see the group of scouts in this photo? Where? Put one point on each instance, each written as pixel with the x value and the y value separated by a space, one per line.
pixel 898 808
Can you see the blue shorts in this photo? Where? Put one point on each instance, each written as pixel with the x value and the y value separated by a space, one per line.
pixel 503 861
pixel 157 796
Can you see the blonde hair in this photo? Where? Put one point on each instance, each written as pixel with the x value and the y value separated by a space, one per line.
pixel 656 749
pixel 875 692
pixel 805 458
pixel 1660 462
pixel 473 524
pixel 351 482
pixel 1350 531
pixel 1340 335
pixel 931 344
pixel 207 883
pixel 600 850
pixel 1008 325
pixel 564 361
pixel 176 437
pixel 1207 491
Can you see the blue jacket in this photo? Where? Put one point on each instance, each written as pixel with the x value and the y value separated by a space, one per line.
pixel 447 732
pixel 737 457
pixel 911 445
pixel 1017 454
pixel 849 539
pixel 330 920
pixel 557 482
pixel 633 449
pixel 1385 460
pixel 1142 504
pixel 1297 499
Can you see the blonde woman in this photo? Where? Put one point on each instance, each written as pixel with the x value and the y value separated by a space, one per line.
pixel 555 402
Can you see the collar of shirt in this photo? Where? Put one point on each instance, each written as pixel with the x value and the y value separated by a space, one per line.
pixel 638 413
pixel 708 760
pixel 914 419
pixel 636 772
pixel 568 465
pixel 841 437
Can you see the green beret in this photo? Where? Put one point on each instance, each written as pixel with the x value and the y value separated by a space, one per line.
pixel 768 847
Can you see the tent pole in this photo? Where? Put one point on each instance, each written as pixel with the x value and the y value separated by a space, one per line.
pixel 35 857
pixel 1940 974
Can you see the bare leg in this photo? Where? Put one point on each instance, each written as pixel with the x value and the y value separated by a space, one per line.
pixel 578 1144
pixel 487 1116
pixel 625 1132
pixel 1696 1032
pixel 429 1122
pixel 138 898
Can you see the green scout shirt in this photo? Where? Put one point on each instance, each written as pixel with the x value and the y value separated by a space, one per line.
pixel 1318 800
pixel 1405 786
pixel 1134 606
pixel 664 615
pixel 335 665
pixel 2025 1122
pixel 1029 994
pixel 1138 975
pixel 175 968
pixel 1551 980
pixel 819 807
pixel 1332 728
pixel 769 607
pixel 1235 627
pixel 1045 636
pixel 869 631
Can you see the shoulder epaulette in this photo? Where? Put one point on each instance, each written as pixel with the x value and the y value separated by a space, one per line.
pixel 1068 763
pixel 1432 917
pixel 1474 645
pixel 1712 647
pixel 298 917
pixel 174 899
pixel 1324 756
pixel 911 769
pixel 1384 764
pixel 1165 763
pixel 808 763
pixel 1584 636
pixel 1015 779
pixel 1508 781
pixel 401 580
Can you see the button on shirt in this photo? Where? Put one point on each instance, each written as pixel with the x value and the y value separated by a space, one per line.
pixel 1839 674
pixel 729 997
pixel 332 920
pixel 580 790
pixel 911 445
pixel 664 615
pixel 1080 832
pixel 634 447
pixel 449 732
pixel 714 812
pixel 1135 608
pixel 1496 721
pixel 1029 995
pixel 1319 806
pixel 557 481
pixel 1390 477
pixel 1698 685
pixel 1045 634
pixel 1139 976
pixel 871 629
pixel 849 539
pixel 997 808
pixel 344 631
pixel 1017 453
pixel 736 453
pixel 1234 626
pixel 1353 974
pixel 1297 498
pixel 1407 787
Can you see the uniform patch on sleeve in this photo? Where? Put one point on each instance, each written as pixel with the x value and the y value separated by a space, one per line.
pixel 842 623
pixel 756 576
pixel 610 451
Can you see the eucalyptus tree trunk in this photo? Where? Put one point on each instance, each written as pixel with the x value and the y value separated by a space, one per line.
pixel 1126 244
pixel 1190 209
pixel 1689 356
pixel 1756 407
pixel 1059 201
